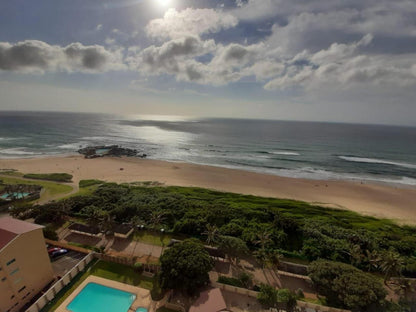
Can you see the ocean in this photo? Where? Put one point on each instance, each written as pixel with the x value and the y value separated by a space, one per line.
pixel 310 150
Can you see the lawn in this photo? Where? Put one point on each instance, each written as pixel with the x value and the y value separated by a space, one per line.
pixel 152 238
pixel 108 270
pixel 121 273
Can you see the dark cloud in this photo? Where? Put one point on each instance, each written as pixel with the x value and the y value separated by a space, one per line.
pixel 38 56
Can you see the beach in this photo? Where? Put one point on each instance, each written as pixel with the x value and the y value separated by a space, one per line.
pixel 379 200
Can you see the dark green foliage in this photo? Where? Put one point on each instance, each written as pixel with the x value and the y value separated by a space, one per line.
pixel 346 286
pixel 49 233
pixel 267 296
pixel 86 183
pixel 57 177
pixel 233 247
pixel 185 266
pixel 230 281
pixel 296 229
pixel 287 298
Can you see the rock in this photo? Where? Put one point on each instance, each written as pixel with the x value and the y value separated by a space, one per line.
pixel 109 150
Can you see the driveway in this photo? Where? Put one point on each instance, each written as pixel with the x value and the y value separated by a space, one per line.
pixel 63 264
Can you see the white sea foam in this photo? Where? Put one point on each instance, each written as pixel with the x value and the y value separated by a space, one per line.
pixel 377 161
pixel 285 153
pixel 17 151
pixel 72 146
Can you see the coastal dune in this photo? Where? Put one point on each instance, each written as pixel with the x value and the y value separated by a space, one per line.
pixel 379 200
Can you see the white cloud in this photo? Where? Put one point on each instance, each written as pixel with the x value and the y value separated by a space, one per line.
pixel 38 56
pixel 176 24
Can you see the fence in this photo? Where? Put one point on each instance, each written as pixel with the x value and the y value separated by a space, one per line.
pixel 65 280
pixel 67 246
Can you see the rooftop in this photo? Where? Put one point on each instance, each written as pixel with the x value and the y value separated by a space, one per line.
pixel 11 228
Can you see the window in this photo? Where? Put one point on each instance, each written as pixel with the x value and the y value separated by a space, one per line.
pixel 14 271
pixel 3 279
pixel 11 261
pixel 12 297
pixel 21 289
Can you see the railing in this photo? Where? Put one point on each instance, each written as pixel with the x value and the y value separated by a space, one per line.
pixel 65 280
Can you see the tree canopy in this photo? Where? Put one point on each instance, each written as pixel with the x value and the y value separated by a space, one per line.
pixel 346 286
pixel 185 266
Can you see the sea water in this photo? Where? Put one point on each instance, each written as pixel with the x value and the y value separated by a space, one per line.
pixel 294 149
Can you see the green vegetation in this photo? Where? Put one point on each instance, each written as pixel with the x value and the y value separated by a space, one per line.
pixel 244 280
pixel 346 286
pixel 150 237
pixel 121 273
pixel 86 183
pixel 238 224
pixel 94 248
pixel 56 177
pixel 270 297
pixel 185 266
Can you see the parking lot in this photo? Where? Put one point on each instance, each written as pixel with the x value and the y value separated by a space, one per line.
pixel 65 263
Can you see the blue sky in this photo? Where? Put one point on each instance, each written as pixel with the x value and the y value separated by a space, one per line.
pixel 328 60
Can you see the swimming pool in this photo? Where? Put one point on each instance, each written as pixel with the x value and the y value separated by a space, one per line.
pixel 15 195
pixel 96 297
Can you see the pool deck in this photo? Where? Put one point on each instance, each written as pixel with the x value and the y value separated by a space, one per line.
pixel 143 298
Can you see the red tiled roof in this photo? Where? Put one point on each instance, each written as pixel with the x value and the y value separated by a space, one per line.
pixel 209 301
pixel 10 228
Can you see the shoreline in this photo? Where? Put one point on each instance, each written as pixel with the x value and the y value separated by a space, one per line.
pixel 381 200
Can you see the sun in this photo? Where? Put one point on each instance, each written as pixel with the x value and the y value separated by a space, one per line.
pixel 163 3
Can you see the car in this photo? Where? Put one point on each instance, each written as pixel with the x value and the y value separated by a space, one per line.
pixel 58 253
pixel 53 249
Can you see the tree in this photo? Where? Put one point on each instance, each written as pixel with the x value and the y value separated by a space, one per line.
pixel 261 256
pixel 287 298
pixel 346 286
pixel 274 256
pixel 185 266
pixel 263 239
pixel 233 247
pixel 267 296
pixel 211 233
pixel 391 264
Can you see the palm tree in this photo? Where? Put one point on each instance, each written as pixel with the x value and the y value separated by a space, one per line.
pixel 156 218
pixel 211 233
pixel 371 259
pixel 356 255
pixel 391 263
pixel 263 239
pixel 261 256
pixel 274 257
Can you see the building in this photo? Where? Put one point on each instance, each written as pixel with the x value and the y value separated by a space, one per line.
pixel 25 268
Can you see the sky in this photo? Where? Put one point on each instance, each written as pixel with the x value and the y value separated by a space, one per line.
pixel 323 60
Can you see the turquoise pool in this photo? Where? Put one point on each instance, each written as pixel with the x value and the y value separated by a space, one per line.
pixel 96 297
pixel 16 195
pixel 141 310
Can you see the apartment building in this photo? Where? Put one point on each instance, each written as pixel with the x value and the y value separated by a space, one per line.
pixel 25 268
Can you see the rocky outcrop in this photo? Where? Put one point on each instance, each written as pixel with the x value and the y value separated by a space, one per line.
pixel 109 150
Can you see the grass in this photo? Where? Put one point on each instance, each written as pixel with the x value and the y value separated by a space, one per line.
pixel 57 177
pixel 51 188
pixel 152 238
pixel 108 270
pixel 121 273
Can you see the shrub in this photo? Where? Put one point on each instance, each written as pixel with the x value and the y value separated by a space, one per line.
pixel 138 267
pixel 58 177
pixel 267 296
pixel 50 233
pixel 86 183
pixel 230 281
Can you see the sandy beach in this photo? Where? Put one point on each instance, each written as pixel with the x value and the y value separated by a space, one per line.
pixel 384 201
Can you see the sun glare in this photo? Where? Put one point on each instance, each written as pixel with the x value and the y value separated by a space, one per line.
pixel 164 3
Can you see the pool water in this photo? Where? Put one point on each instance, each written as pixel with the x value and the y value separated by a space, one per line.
pixel 96 297
pixel 141 310
pixel 16 195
